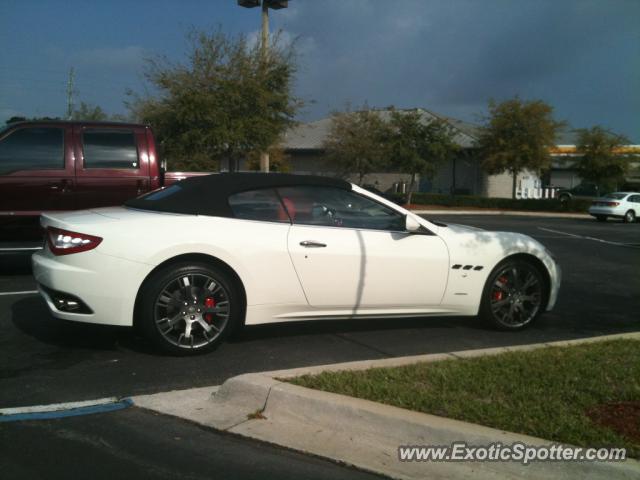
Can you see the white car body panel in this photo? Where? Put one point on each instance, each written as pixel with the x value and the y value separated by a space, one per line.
pixel 358 268
pixel 361 273
pixel 619 211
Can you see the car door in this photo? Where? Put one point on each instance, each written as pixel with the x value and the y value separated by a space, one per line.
pixel 112 166
pixel 36 170
pixel 352 252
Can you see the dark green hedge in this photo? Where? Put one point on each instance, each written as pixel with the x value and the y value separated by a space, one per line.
pixel 542 205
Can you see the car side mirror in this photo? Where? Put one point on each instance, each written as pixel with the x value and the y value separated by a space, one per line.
pixel 412 225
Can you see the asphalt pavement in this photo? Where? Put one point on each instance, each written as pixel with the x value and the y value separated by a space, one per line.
pixel 138 444
pixel 45 361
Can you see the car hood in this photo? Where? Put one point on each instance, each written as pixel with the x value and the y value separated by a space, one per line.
pixel 457 228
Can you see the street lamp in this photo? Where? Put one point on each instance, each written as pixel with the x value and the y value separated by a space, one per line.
pixel 266 5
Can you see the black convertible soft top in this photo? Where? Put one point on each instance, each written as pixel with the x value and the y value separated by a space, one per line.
pixel 208 194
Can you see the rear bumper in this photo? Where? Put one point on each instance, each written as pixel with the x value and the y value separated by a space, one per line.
pixel 608 211
pixel 109 295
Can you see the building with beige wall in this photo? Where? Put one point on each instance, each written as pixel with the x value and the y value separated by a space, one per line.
pixel 463 174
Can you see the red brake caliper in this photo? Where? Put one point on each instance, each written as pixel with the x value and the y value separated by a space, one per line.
pixel 497 294
pixel 209 302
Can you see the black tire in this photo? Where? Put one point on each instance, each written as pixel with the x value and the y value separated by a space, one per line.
pixel 513 302
pixel 564 198
pixel 179 302
pixel 629 217
pixel 601 218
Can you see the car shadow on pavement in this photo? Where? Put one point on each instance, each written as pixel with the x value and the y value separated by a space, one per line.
pixel 318 327
pixel 31 316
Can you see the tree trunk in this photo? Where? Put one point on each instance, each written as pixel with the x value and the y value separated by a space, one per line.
pixel 514 176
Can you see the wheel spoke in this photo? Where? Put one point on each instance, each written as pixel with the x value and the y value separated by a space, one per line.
pixel 530 281
pixel 499 304
pixel 183 300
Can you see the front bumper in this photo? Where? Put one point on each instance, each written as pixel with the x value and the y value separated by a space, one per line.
pixel 106 285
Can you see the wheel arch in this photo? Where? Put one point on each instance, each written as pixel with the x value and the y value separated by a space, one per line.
pixel 195 257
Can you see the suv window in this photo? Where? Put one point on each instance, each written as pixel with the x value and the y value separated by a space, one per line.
pixel 261 204
pixel 109 149
pixel 338 208
pixel 40 148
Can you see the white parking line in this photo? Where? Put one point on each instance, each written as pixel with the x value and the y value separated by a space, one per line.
pixel 24 292
pixel 585 237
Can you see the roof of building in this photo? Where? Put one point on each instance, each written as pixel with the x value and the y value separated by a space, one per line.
pixel 311 136
pixel 186 196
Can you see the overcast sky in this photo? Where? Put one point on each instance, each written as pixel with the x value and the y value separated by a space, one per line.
pixel 449 56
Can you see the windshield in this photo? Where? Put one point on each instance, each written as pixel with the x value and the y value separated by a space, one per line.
pixel 615 196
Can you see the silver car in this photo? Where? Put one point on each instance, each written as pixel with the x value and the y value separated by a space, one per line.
pixel 624 205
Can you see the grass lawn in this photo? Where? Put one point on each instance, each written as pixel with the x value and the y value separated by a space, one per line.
pixel 585 395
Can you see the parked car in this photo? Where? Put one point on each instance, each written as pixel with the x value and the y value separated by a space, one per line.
pixel 57 165
pixel 193 262
pixel 585 191
pixel 624 205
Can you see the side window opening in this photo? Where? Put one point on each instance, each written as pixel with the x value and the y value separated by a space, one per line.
pixel 338 208
pixel 36 148
pixel 262 204
pixel 109 148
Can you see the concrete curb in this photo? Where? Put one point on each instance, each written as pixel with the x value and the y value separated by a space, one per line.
pixel 517 213
pixel 367 434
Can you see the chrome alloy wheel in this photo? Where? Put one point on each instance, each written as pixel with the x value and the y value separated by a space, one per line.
pixel 516 295
pixel 192 310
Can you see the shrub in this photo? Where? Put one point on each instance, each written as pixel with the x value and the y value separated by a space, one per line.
pixel 541 205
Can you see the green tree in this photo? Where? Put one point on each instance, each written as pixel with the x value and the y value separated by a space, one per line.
pixel 226 100
pixel 88 112
pixel 517 136
pixel 278 159
pixel 357 143
pixel 601 161
pixel 419 146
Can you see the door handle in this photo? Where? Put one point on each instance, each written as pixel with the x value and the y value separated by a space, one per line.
pixel 312 244
pixel 63 186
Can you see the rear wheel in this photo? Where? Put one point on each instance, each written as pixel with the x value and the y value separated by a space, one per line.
pixel 513 296
pixel 630 216
pixel 188 308
pixel 601 218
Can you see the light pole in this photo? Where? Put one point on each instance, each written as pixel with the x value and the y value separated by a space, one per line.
pixel 266 5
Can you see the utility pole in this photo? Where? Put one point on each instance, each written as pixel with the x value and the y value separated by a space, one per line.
pixel 70 93
pixel 264 156
pixel 264 46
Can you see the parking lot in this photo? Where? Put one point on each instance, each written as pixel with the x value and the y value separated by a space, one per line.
pixel 45 361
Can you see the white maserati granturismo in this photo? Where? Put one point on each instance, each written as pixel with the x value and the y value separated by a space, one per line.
pixel 191 263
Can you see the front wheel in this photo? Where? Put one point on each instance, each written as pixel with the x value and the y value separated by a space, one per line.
pixel 188 308
pixel 513 296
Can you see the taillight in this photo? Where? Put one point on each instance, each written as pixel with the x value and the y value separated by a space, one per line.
pixel 612 204
pixel 64 242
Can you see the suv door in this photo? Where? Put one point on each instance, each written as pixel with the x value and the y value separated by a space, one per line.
pixel 112 165
pixel 36 170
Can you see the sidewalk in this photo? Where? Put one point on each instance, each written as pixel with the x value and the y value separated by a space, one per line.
pixel 364 433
